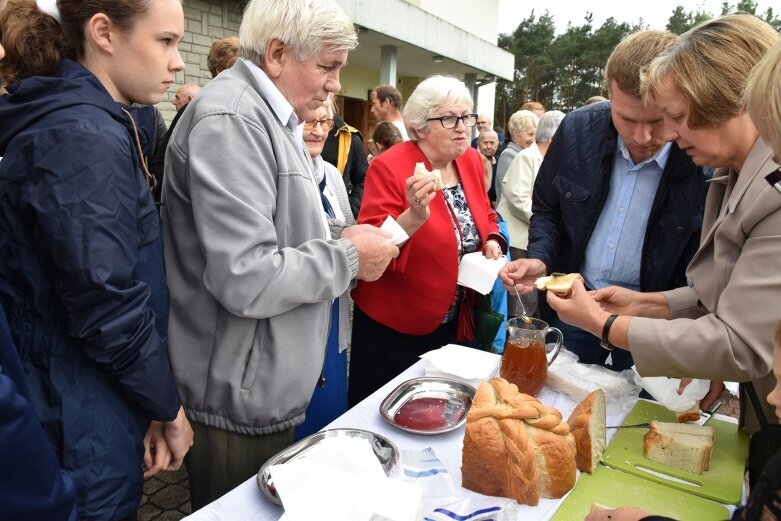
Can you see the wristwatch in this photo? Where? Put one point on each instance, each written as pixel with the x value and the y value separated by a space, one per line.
pixel 605 342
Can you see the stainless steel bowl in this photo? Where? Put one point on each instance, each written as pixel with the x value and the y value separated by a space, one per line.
pixel 428 405
pixel 384 449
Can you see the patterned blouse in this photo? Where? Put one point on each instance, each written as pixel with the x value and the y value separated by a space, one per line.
pixel 465 230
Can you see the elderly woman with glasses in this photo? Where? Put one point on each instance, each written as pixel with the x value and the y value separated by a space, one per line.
pixel 719 326
pixel 329 399
pixel 414 307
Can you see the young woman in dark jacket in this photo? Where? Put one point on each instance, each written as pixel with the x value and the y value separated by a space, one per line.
pixel 81 275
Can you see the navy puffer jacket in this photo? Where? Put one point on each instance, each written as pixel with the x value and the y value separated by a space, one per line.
pixel 82 281
pixel 571 189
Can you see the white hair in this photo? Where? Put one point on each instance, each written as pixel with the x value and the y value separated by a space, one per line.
pixel 432 93
pixel 521 120
pixel 307 27
pixel 547 125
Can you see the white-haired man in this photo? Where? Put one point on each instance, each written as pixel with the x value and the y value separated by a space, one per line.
pixel 252 260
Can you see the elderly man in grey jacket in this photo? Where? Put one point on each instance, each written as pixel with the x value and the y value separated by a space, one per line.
pixel 252 260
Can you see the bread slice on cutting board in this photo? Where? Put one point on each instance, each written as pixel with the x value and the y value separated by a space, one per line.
pixel 681 445
pixel 587 423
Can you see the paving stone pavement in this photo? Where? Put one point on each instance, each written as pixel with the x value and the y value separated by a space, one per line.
pixel 167 495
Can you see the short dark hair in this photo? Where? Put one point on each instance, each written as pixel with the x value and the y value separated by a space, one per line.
pixel 386 134
pixel 389 92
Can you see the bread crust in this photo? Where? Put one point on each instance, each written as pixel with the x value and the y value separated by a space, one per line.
pixel 587 423
pixel 516 447
pixel 559 283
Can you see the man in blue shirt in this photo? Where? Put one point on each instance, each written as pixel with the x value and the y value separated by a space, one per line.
pixel 613 199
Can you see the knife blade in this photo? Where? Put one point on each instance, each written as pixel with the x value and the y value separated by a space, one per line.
pixel 707 413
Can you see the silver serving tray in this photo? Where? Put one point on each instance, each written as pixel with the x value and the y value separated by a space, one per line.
pixel 444 408
pixel 384 449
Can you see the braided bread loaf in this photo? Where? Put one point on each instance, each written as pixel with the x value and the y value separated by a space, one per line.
pixel 516 447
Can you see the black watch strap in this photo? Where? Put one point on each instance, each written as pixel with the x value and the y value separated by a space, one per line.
pixel 605 342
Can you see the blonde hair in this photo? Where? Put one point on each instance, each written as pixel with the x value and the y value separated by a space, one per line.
pixel 763 100
pixel 710 65
pixel 632 54
pixel 307 27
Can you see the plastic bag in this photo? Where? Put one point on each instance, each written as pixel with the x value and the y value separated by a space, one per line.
pixel 577 380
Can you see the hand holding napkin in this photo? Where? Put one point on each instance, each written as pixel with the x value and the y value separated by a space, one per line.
pixel 478 272
pixel 665 391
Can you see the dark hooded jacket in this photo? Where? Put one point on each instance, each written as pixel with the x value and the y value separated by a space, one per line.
pixel 82 281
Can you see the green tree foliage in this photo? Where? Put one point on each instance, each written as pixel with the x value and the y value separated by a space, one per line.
pixel 563 71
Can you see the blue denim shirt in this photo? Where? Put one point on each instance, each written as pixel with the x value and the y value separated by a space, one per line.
pixel 616 245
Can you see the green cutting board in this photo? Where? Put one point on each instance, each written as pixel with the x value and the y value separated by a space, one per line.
pixel 616 489
pixel 723 482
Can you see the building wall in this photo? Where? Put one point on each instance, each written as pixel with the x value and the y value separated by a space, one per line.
pixel 204 22
pixel 479 18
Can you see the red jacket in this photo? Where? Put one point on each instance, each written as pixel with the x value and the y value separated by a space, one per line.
pixel 417 289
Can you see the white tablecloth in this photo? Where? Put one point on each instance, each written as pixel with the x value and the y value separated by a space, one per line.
pixel 246 503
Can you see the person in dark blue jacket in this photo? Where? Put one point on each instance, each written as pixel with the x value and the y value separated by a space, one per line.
pixel 613 200
pixel 81 276
pixel 32 485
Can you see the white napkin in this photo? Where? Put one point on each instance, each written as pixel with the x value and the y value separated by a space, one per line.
pixel 341 479
pixel 479 273
pixel 391 226
pixel 665 391
pixel 461 363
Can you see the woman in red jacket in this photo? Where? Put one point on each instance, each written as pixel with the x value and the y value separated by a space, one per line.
pixel 414 306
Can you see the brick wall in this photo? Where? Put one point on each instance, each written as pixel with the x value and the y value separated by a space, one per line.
pixel 204 22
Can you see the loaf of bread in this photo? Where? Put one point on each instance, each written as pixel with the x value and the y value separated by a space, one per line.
pixel 516 447
pixel 681 445
pixel 587 423
pixel 420 169
pixel 559 283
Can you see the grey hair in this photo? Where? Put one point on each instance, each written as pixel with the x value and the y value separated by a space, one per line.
pixel 547 125
pixel 430 94
pixel 484 133
pixel 307 27
pixel 521 120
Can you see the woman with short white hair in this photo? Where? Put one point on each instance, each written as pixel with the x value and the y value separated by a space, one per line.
pixel 515 205
pixel 417 304
pixel 521 129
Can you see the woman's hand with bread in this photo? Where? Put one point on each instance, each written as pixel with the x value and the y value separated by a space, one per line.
pixel 579 309
pixel 621 301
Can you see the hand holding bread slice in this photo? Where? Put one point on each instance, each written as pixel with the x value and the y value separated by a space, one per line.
pixel 559 283
pixel 420 169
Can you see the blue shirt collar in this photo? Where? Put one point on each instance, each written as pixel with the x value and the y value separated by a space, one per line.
pixel 660 157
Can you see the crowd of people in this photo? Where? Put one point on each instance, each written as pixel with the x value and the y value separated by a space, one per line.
pixel 164 304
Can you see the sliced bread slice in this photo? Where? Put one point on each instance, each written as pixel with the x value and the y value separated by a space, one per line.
pixel 587 423
pixel 687 447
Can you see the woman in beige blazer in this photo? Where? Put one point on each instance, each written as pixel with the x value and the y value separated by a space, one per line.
pixel 720 326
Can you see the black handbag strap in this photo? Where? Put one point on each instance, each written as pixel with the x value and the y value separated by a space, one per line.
pixel 752 394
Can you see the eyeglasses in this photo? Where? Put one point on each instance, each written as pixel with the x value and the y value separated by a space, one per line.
pixel 469 120
pixel 325 124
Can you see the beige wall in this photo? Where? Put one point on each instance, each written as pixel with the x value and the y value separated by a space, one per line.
pixel 480 18
pixel 204 22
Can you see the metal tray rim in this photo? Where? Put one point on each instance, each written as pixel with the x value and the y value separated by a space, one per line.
pixel 463 387
pixel 294 450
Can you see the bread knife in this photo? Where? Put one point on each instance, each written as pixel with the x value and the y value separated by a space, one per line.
pixel 704 417
pixel 707 413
